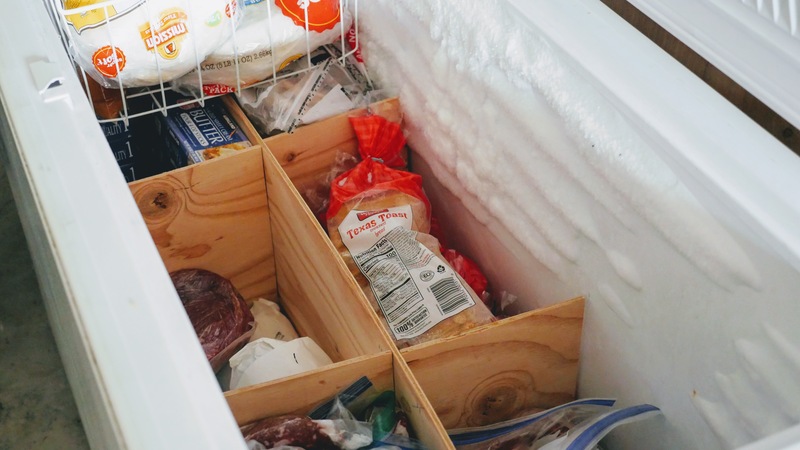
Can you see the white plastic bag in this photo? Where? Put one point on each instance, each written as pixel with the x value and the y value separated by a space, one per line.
pixel 268 359
pixel 270 322
pixel 272 34
pixel 329 89
pixel 141 43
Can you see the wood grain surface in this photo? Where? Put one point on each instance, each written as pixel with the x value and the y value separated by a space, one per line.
pixel 316 289
pixel 308 154
pixel 421 413
pixel 502 370
pixel 214 216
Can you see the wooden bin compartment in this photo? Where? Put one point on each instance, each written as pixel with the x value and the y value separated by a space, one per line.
pixel 490 373
pixel 243 217
pixel 218 216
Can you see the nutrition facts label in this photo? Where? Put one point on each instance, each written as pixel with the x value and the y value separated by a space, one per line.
pixel 414 288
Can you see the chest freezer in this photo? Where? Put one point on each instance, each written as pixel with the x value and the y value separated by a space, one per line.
pixel 567 153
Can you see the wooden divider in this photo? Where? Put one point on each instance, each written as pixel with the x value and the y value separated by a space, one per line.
pixel 319 294
pixel 308 154
pixel 300 393
pixel 504 369
pixel 412 400
pixel 214 216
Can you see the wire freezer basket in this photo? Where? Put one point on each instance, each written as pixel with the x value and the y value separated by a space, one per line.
pixel 124 50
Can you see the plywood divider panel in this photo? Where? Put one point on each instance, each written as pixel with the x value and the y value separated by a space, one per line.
pixel 502 370
pixel 422 415
pixel 309 153
pixel 316 288
pixel 299 394
pixel 214 216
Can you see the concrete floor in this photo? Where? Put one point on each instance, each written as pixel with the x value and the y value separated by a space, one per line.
pixel 37 410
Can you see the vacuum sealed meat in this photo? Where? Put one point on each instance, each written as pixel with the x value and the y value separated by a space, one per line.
pixel 379 220
pixel 141 43
pixel 219 315
pixel 271 35
pixel 289 430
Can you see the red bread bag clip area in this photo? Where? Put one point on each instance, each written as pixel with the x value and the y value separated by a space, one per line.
pixel 380 143
pixel 379 219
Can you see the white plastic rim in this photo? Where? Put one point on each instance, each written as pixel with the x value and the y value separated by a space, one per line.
pixel 755 42
pixel 137 371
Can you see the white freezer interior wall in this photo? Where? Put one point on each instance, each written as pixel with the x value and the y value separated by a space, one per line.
pixel 559 135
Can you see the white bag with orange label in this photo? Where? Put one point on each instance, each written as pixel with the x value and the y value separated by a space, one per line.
pixel 136 43
pixel 271 35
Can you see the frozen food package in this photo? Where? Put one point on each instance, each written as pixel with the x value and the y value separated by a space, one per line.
pixel 193 133
pixel 270 322
pixel 271 35
pixel 578 425
pixel 137 43
pixel 379 219
pixel 331 87
pixel 217 311
pixel 267 359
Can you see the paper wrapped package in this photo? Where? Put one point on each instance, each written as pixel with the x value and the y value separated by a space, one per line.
pixel 269 359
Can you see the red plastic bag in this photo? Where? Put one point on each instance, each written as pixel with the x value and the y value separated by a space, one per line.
pixel 379 219
pixel 379 141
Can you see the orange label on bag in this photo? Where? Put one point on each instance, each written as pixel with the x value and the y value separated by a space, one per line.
pixel 170 31
pixel 322 14
pixel 109 61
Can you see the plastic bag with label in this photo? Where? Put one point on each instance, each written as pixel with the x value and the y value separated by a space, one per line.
pixel 379 219
pixel 577 425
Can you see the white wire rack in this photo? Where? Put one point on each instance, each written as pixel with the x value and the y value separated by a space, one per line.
pixel 104 13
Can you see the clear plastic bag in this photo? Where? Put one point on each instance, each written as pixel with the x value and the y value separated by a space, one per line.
pixel 578 425
pixel 348 421
pixel 328 89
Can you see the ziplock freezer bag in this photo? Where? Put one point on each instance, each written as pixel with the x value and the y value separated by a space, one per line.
pixel 588 435
pixel 271 35
pixel 563 423
pixel 139 43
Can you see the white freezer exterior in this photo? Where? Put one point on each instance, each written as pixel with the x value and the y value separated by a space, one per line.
pixel 689 260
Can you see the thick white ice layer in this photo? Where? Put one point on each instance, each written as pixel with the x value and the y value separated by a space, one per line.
pixel 544 174
pixel 509 115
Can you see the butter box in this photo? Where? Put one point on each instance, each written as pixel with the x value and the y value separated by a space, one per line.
pixel 194 133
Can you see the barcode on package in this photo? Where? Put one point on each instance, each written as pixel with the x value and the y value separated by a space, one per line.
pixel 450 295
